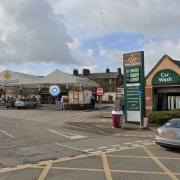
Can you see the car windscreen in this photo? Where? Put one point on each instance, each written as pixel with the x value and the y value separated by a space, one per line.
pixel 173 124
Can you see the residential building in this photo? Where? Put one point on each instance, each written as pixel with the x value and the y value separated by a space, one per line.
pixel 111 82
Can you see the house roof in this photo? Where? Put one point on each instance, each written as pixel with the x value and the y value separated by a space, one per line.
pixel 110 75
pixel 174 61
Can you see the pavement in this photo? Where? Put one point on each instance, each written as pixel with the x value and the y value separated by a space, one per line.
pixel 49 144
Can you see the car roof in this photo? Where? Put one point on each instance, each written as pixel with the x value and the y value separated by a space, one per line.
pixel 175 119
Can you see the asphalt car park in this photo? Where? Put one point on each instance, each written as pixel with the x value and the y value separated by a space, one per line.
pixel 142 161
pixel 50 144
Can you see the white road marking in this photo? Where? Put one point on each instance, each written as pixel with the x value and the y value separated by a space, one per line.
pixel 111 149
pixel 106 148
pixel 67 135
pixel 7 134
pixel 147 140
pixel 88 150
pixel 116 145
pixel 103 147
pixel 134 145
pixel 69 147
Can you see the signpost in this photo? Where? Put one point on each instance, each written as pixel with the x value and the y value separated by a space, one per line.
pixel 100 93
pixel 54 90
pixel 134 87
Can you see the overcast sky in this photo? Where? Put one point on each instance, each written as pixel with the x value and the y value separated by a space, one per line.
pixel 39 36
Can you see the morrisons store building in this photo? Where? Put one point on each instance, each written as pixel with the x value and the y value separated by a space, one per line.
pixel 14 84
pixel 163 85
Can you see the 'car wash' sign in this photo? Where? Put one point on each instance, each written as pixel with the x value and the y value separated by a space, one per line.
pixel 166 76
pixel 134 86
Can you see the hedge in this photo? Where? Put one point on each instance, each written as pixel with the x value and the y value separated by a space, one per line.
pixel 160 117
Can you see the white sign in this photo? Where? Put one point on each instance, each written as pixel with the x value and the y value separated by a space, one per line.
pixel 54 90
pixel 145 123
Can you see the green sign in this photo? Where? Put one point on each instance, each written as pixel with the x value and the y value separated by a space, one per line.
pixel 134 87
pixel 132 98
pixel 166 76
pixel 132 74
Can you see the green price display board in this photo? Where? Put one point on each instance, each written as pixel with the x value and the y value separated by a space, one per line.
pixel 132 74
pixel 132 98
pixel 134 87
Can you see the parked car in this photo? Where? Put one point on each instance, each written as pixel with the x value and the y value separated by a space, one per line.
pixel 25 103
pixel 2 102
pixel 10 103
pixel 168 135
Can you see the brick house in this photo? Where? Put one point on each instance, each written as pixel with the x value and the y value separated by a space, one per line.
pixel 111 82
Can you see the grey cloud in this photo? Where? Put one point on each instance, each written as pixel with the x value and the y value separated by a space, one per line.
pixel 152 18
pixel 34 33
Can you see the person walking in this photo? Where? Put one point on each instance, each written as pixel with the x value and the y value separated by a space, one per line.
pixel 93 101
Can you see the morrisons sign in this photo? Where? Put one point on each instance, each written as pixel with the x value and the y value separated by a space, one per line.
pixel 166 76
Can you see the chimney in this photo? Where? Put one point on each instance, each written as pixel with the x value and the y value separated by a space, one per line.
pixel 107 70
pixel 75 72
pixel 119 70
pixel 86 72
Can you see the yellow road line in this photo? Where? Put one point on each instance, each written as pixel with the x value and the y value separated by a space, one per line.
pixel 106 166
pixel 160 164
pixel 45 171
pixel 78 169
pixel 144 157
pixel 143 172
pixel 112 170
pixel 96 153
pixel 4 170
pixel 127 148
pixel 76 157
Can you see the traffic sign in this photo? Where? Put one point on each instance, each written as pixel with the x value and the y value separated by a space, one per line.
pixel 54 90
pixel 138 93
pixel 100 91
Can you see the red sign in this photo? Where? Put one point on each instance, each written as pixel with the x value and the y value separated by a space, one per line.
pixel 99 91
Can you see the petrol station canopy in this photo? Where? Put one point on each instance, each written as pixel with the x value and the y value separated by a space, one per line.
pixel 59 77
pixel 11 78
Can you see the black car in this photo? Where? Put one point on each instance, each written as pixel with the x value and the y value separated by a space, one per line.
pixel 10 103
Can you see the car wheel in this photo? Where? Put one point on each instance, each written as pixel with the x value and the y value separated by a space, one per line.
pixel 163 146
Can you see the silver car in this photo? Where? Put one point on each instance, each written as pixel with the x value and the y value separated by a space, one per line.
pixel 25 103
pixel 168 135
